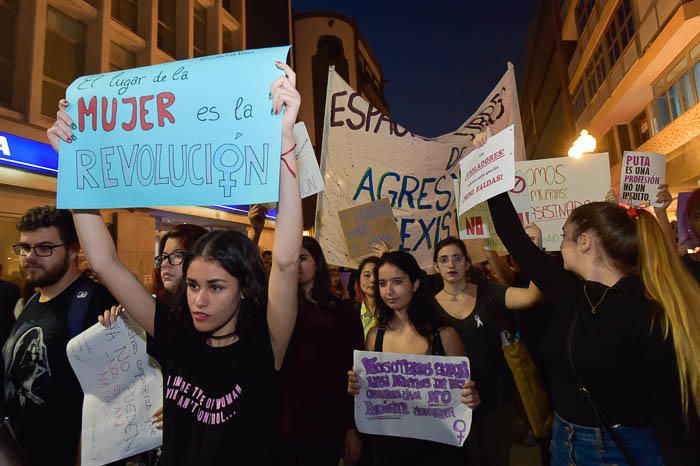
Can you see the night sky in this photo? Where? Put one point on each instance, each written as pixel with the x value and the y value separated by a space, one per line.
pixel 441 58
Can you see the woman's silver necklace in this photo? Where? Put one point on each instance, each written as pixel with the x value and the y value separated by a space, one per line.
pixel 454 295
pixel 594 309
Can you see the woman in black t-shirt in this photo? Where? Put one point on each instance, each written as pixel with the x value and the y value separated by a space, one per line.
pixel 228 335
pixel 409 323
pixel 478 312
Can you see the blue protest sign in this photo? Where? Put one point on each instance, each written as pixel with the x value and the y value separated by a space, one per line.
pixel 193 132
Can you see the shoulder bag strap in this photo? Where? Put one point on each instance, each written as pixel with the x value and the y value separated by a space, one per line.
pixel 589 398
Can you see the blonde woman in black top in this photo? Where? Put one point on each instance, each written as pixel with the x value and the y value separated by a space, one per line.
pixel 623 346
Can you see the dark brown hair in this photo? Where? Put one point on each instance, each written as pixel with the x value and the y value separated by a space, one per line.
pixel 188 234
pixel 49 216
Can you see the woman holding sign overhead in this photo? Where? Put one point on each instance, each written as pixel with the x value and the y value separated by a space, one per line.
pixel 228 335
pixel 409 323
pixel 622 349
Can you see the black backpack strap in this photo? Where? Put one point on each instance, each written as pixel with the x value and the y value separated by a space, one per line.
pixel 79 305
pixel 379 340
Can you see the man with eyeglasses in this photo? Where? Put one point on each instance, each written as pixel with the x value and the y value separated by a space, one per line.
pixel 43 398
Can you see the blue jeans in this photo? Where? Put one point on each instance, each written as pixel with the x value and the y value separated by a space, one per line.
pixel 590 446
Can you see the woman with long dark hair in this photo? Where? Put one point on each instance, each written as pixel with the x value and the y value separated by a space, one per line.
pixel 623 346
pixel 172 250
pixel 409 322
pixel 317 417
pixel 229 332
pixel 366 291
pixel 477 309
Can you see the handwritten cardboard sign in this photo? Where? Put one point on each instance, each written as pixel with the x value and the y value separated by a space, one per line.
pixel 411 395
pixel 488 170
pixel 123 389
pixel 192 132
pixel 310 179
pixel 642 173
pixel 560 184
pixel 369 223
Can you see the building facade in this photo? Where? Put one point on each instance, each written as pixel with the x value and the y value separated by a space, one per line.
pixel 634 80
pixel 323 39
pixel 46 44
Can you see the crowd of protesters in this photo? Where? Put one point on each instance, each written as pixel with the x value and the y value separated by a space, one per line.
pixel 612 323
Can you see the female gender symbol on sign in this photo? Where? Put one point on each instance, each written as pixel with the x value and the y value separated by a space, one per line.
pixel 460 427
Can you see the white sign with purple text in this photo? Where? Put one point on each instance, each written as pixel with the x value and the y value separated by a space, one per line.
pixel 412 395
pixel 487 171
pixel 642 173
pixel 123 389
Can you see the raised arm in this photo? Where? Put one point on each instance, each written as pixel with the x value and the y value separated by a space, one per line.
pixel 549 277
pixel 664 198
pixel 282 294
pixel 99 247
pixel 498 264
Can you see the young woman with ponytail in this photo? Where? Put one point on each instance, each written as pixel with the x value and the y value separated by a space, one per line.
pixel 623 347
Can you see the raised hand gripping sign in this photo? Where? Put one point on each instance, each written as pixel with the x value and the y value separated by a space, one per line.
pixel 412 395
pixel 192 132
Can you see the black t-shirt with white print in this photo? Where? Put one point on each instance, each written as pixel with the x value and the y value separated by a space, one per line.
pixel 43 397
pixel 219 403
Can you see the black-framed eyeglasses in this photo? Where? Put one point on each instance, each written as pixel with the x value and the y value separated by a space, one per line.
pixel 41 250
pixel 457 259
pixel 176 257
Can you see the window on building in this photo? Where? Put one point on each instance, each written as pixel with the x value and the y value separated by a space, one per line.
pixel 686 89
pixel 234 7
pixel 126 12
pixel 166 27
pixel 120 58
pixel 579 101
pixel 596 72
pixel 620 32
pixel 582 13
pixel 678 90
pixel 64 57
pixel 662 114
pixel 675 101
pixel 229 41
pixel 696 78
pixel 93 2
pixel 640 129
pixel 200 30
pixel 8 19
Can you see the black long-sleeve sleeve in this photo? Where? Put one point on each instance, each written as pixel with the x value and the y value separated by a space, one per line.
pixel 544 271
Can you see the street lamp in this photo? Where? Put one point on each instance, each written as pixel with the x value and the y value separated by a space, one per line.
pixel 585 143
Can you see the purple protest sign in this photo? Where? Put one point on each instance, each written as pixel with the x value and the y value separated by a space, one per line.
pixel 412 395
